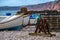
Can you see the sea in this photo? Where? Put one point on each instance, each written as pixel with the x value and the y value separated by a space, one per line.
pixel 3 12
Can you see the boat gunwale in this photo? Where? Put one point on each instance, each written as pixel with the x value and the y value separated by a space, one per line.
pixel 11 20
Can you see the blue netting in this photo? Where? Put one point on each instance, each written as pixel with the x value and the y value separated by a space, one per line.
pixel 33 16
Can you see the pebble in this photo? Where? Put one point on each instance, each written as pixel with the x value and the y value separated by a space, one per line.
pixel 23 35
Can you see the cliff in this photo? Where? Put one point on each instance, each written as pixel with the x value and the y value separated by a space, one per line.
pixel 54 5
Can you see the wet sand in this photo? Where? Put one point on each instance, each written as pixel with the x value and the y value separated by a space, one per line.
pixel 23 35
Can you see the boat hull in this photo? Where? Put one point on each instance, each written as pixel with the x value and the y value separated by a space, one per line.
pixel 17 22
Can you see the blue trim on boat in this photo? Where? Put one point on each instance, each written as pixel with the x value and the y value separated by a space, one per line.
pixel 13 28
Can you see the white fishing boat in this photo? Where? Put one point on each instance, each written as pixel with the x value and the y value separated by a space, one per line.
pixel 13 21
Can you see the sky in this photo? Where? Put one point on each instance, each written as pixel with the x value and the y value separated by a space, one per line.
pixel 21 2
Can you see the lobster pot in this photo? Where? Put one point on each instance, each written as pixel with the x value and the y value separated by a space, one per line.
pixel 33 21
pixel 53 20
pixel 25 20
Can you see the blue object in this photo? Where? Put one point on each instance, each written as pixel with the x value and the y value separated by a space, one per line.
pixel 8 14
pixel 33 16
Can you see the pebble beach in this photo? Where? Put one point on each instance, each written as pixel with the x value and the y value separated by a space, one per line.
pixel 23 34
